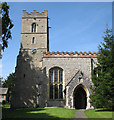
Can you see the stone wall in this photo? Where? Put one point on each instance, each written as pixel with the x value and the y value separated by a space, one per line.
pixel 71 64
pixel 41 34
pixel 29 86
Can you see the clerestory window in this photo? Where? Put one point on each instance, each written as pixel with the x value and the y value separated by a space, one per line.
pixel 56 83
pixel 34 27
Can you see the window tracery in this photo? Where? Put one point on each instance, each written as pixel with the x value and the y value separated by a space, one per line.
pixel 56 83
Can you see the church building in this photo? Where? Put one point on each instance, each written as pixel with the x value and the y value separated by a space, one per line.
pixel 49 79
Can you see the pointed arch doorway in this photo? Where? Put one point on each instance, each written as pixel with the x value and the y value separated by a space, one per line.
pixel 80 97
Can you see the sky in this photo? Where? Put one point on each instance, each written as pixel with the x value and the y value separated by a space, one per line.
pixel 75 26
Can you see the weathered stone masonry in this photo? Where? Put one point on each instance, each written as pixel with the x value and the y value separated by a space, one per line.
pixel 34 62
pixel 72 64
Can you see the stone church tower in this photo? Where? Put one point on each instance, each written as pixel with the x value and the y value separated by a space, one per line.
pixel 29 73
pixel 49 79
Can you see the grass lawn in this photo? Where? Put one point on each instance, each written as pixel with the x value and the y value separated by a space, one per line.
pixel 6 106
pixel 99 113
pixel 37 113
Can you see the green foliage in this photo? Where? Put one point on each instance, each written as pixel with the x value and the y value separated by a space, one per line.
pixel 9 83
pixel 6 105
pixel 6 25
pixel 102 91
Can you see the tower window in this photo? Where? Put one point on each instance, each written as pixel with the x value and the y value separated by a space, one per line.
pixel 33 40
pixel 34 27
pixel 56 83
pixel 24 75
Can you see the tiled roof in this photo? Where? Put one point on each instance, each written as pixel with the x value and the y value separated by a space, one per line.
pixel 3 91
pixel 70 54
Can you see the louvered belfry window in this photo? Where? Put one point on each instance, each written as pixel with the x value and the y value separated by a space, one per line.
pixel 33 27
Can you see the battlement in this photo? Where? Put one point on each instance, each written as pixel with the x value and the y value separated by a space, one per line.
pixel 70 54
pixel 34 14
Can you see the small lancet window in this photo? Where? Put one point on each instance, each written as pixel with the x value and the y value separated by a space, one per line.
pixel 34 27
pixel 24 75
pixel 33 40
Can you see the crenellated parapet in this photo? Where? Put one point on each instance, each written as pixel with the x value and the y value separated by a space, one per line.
pixel 70 54
pixel 34 14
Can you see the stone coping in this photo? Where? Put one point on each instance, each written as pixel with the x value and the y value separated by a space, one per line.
pixel 70 54
pixel 34 14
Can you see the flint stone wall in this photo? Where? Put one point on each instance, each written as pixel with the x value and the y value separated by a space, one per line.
pixel 70 67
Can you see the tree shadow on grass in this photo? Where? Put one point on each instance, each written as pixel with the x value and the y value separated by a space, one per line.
pixel 27 114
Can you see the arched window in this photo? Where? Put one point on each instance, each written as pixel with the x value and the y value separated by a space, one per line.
pixel 34 27
pixel 56 83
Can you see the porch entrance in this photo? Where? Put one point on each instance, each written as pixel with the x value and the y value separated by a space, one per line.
pixel 80 98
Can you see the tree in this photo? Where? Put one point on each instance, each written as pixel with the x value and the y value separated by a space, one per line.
pixel 6 25
pixel 9 83
pixel 1 81
pixel 102 90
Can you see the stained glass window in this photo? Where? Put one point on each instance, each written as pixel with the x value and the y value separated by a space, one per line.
pixel 60 76
pixel 56 75
pixel 56 83
pixel 60 91
pixel 56 91
pixel 51 91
